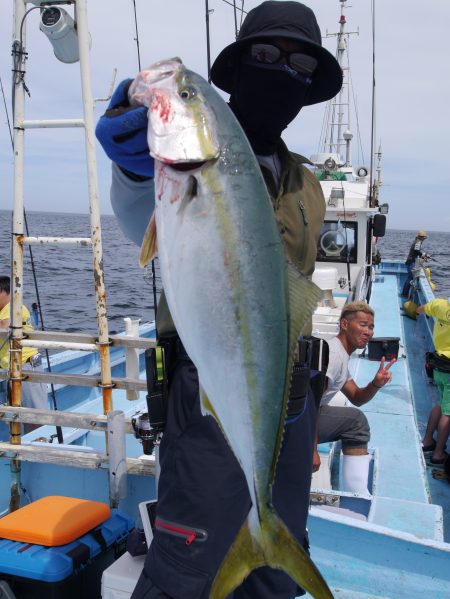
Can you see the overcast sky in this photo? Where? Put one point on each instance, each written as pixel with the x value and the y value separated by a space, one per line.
pixel 412 97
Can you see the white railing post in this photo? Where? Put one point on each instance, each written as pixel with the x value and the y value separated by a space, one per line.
pixel 132 356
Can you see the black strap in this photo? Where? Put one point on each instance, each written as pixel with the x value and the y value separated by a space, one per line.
pixel 438 362
pixel 79 555
pixel 299 390
pixel 98 536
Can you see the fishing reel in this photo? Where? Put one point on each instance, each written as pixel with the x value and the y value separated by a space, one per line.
pixel 149 426
pixel 143 431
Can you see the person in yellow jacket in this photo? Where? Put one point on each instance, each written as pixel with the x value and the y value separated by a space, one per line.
pixel 34 395
pixel 439 419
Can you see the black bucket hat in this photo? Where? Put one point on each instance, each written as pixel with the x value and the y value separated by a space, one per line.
pixel 290 20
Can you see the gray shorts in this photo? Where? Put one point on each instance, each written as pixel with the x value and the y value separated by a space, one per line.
pixel 345 424
pixel 34 395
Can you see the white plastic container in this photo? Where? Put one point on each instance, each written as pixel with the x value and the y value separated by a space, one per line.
pixel 119 580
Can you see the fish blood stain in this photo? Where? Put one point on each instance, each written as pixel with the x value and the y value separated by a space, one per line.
pixel 161 103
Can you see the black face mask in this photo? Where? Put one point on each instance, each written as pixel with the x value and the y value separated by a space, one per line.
pixel 265 99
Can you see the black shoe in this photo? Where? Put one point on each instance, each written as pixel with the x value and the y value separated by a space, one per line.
pixel 429 448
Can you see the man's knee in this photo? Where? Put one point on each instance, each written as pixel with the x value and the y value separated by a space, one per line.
pixel 358 434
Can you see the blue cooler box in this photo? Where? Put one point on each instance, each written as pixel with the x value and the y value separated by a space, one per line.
pixel 71 571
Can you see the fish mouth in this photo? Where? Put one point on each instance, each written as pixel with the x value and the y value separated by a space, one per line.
pixel 188 166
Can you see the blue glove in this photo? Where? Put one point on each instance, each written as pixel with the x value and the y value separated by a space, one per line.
pixel 122 132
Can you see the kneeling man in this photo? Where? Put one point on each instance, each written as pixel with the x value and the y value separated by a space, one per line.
pixel 347 424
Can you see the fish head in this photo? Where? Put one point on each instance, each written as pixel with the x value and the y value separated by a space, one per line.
pixel 180 123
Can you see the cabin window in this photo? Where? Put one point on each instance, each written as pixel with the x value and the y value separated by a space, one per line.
pixel 338 242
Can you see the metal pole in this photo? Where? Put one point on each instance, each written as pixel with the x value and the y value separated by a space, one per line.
pixel 15 356
pixel 341 51
pixel 88 104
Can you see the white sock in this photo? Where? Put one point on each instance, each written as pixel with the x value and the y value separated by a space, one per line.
pixel 355 474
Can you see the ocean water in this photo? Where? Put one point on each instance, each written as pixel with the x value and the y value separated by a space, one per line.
pixel 65 277
pixel 65 280
pixel 395 246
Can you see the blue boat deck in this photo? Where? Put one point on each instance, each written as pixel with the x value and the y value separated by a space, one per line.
pixel 402 499
pixel 402 548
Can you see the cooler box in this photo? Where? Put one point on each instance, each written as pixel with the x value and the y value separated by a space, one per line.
pixel 69 571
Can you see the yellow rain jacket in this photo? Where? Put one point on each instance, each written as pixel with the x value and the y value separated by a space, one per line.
pixel 27 352
pixel 440 309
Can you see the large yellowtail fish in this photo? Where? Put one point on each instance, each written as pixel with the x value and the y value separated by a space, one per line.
pixel 236 304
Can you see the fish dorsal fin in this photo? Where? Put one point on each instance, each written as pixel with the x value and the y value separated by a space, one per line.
pixel 303 296
pixel 149 247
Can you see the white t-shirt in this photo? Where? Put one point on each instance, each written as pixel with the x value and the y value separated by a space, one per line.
pixel 337 372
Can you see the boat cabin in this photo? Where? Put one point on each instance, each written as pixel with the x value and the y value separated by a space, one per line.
pixel 345 246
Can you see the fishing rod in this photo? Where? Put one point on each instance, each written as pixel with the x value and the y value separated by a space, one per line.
pixel 372 133
pixel 136 39
pixel 428 257
pixel 59 434
pixel 208 42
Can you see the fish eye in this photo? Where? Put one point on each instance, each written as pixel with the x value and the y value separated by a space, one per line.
pixel 187 93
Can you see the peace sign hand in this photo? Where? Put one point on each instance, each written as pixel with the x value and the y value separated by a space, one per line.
pixel 383 375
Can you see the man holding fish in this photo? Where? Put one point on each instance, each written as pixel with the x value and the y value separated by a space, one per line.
pixel 236 242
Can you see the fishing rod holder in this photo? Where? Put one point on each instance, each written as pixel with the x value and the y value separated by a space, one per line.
pixel 149 426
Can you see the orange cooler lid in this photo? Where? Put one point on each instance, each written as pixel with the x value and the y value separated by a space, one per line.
pixel 53 520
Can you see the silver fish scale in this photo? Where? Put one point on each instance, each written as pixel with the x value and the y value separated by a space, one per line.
pixel 223 270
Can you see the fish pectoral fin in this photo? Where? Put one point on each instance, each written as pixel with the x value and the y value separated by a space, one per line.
pixel 149 246
pixel 276 548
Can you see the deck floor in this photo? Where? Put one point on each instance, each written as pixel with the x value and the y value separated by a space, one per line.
pixel 397 416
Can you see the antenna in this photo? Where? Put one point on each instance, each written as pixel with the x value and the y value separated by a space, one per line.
pixel 339 130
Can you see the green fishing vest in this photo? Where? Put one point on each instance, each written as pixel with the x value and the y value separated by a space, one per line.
pixel 299 207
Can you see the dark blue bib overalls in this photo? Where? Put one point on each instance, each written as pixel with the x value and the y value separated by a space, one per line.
pixel 203 499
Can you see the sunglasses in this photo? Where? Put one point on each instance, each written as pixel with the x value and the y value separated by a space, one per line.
pixel 271 54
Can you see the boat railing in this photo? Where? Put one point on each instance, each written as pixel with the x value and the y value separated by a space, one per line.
pixel 19 239
pixel 79 341
pixel 18 337
pixel 114 424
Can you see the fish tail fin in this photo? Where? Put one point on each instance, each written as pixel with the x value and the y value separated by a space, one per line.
pixel 275 547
